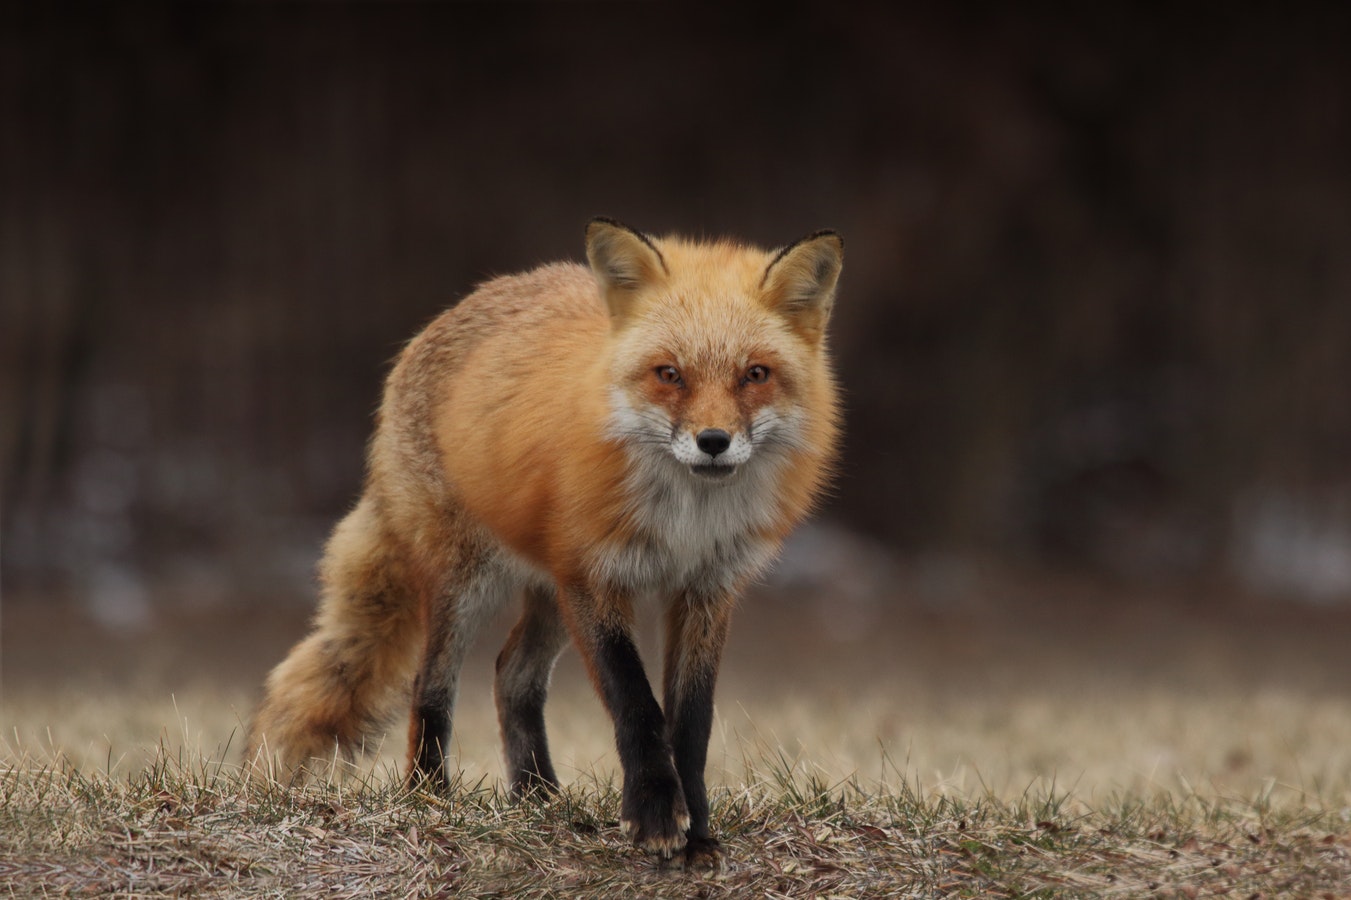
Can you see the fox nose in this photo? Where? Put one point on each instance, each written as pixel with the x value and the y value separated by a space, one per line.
pixel 713 441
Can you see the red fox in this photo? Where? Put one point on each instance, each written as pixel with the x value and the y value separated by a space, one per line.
pixel 655 424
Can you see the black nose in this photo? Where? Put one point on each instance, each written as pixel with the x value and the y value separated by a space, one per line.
pixel 713 441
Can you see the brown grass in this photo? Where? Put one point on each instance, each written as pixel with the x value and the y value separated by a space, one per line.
pixel 1051 750
pixel 194 825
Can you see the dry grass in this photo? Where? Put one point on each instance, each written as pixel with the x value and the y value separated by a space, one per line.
pixel 193 825
pixel 1136 752
pixel 1098 741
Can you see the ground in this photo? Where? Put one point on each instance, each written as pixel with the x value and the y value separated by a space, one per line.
pixel 960 731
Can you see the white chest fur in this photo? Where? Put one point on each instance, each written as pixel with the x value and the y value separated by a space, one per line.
pixel 692 534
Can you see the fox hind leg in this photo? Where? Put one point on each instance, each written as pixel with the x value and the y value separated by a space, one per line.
pixel 522 684
pixel 479 585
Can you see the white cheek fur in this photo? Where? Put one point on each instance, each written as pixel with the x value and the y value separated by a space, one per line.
pixel 694 534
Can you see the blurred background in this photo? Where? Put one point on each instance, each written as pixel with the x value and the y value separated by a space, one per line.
pixel 1095 320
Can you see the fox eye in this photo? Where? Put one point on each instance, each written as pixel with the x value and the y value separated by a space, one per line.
pixel 757 375
pixel 668 374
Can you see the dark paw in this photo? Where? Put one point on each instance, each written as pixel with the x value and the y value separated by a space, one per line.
pixel 654 813
pixel 704 853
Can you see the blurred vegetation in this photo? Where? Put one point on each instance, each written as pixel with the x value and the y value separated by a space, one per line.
pixel 1095 309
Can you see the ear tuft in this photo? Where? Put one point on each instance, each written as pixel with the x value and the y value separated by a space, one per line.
pixel 800 281
pixel 623 260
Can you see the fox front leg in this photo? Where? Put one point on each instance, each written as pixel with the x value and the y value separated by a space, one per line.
pixel 653 810
pixel 696 630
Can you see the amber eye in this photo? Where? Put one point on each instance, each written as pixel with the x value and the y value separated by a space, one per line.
pixel 668 374
pixel 757 375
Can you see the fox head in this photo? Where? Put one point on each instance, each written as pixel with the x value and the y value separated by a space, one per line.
pixel 717 360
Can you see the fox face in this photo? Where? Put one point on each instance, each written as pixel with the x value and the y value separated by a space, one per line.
pixel 709 412
pixel 714 347
pixel 714 415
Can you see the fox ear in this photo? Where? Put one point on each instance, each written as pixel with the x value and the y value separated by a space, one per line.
pixel 624 259
pixel 800 281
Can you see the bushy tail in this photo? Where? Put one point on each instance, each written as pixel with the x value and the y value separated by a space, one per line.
pixel 338 686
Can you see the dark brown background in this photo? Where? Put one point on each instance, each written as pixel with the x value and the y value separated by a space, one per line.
pixel 1096 312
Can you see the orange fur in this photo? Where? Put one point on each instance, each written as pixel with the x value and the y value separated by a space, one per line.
pixel 658 421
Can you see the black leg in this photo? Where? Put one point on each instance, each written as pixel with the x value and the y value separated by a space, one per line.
pixel 695 634
pixel 429 736
pixel 653 809
pixel 454 618
pixel 523 669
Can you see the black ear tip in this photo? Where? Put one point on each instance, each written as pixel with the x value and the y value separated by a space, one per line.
pixel 615 223
pixel 607 222
pixel 827 233
pixel 602 220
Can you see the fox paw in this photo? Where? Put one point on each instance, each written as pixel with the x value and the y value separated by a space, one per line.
pixel 704 853
pixel 654 814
